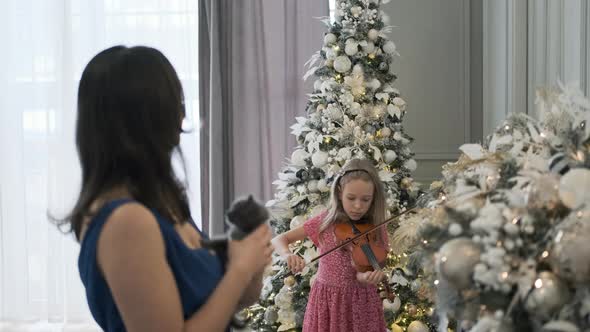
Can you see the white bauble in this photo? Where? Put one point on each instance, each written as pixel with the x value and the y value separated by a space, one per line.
pixel 331 54
pixel 389 47
pixel 373 34
pixel 411 165
pixel 418 326
pixel 385 132
pixel 312 186
pixel 296 222
pixel 342 64
pixel 298 157
pixel 574 188
pixel 369 48
pixel 375 84
pixel 317 84
pixel 323 185
pixel 389 155
pixel 457 259
pixel 319 159
pixel 356 11
pixel 392 306
pixel 351 48
pixel 329 38
pixel 455 229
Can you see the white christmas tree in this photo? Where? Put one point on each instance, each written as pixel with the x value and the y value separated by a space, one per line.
pixel 354 111
pixel 504 240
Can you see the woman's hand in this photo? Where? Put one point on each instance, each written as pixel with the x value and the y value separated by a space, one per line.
pixel 251 254
pixel 295 263
pixel 370 277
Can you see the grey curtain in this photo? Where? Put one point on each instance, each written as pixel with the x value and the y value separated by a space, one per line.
pixel 251 63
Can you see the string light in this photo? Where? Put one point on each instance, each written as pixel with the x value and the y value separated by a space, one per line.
pixel 545 254
pixel 538 283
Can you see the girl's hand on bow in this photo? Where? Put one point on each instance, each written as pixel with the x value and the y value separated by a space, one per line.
pixel 295 263
pixel 370 277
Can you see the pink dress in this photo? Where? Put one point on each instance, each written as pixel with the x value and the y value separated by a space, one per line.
pixel 337 301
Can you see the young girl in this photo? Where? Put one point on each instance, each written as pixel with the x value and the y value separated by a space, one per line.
pixel 342 299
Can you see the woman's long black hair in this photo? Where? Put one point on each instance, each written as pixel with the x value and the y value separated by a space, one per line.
pixel 130 111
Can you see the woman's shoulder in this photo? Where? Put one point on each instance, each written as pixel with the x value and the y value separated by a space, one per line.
pixel 119 215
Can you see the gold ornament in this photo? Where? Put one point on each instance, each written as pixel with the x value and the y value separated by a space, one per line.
pixel 289 281
pixel 371 55
pixel 418 326
pixel 327 140
pixel 396 328
pixel 406 183
pixel 378 134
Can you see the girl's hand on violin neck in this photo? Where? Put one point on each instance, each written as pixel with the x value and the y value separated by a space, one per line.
pixel 253 253
pixel 370 277
pixel 295 263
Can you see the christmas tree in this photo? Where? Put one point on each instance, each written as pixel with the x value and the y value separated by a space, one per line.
pixel 354 111
pixel 505 236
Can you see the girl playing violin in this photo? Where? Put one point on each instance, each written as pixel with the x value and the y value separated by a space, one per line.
pixel 342 298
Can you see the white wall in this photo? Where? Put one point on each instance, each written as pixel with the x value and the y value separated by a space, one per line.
pixel 434 76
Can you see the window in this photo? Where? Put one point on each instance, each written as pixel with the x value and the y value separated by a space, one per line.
pixel 46 45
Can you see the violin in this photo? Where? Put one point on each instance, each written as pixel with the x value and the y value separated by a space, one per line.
pixel 365 235
pixel 368 251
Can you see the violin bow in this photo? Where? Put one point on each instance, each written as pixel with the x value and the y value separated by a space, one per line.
pixel 387 221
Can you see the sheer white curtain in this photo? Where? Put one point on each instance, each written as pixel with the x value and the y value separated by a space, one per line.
pixel 45 46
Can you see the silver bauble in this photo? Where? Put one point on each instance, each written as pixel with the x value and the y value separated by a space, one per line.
pixel 456 260
pixel 389 155
pixel 571 249
pixel 573 188
pixel 548 295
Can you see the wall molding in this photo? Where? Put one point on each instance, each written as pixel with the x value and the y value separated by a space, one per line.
pixel 437 155
pixel 465 59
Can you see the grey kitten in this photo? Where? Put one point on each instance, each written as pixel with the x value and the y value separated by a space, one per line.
pixel 243 217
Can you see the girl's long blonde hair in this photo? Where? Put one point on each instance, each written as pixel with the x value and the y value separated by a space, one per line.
pixel 356 169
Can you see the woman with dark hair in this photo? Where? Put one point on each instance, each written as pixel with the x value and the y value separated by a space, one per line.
pixel 141 259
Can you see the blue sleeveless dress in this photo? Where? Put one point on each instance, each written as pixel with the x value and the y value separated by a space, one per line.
pixel 196 271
